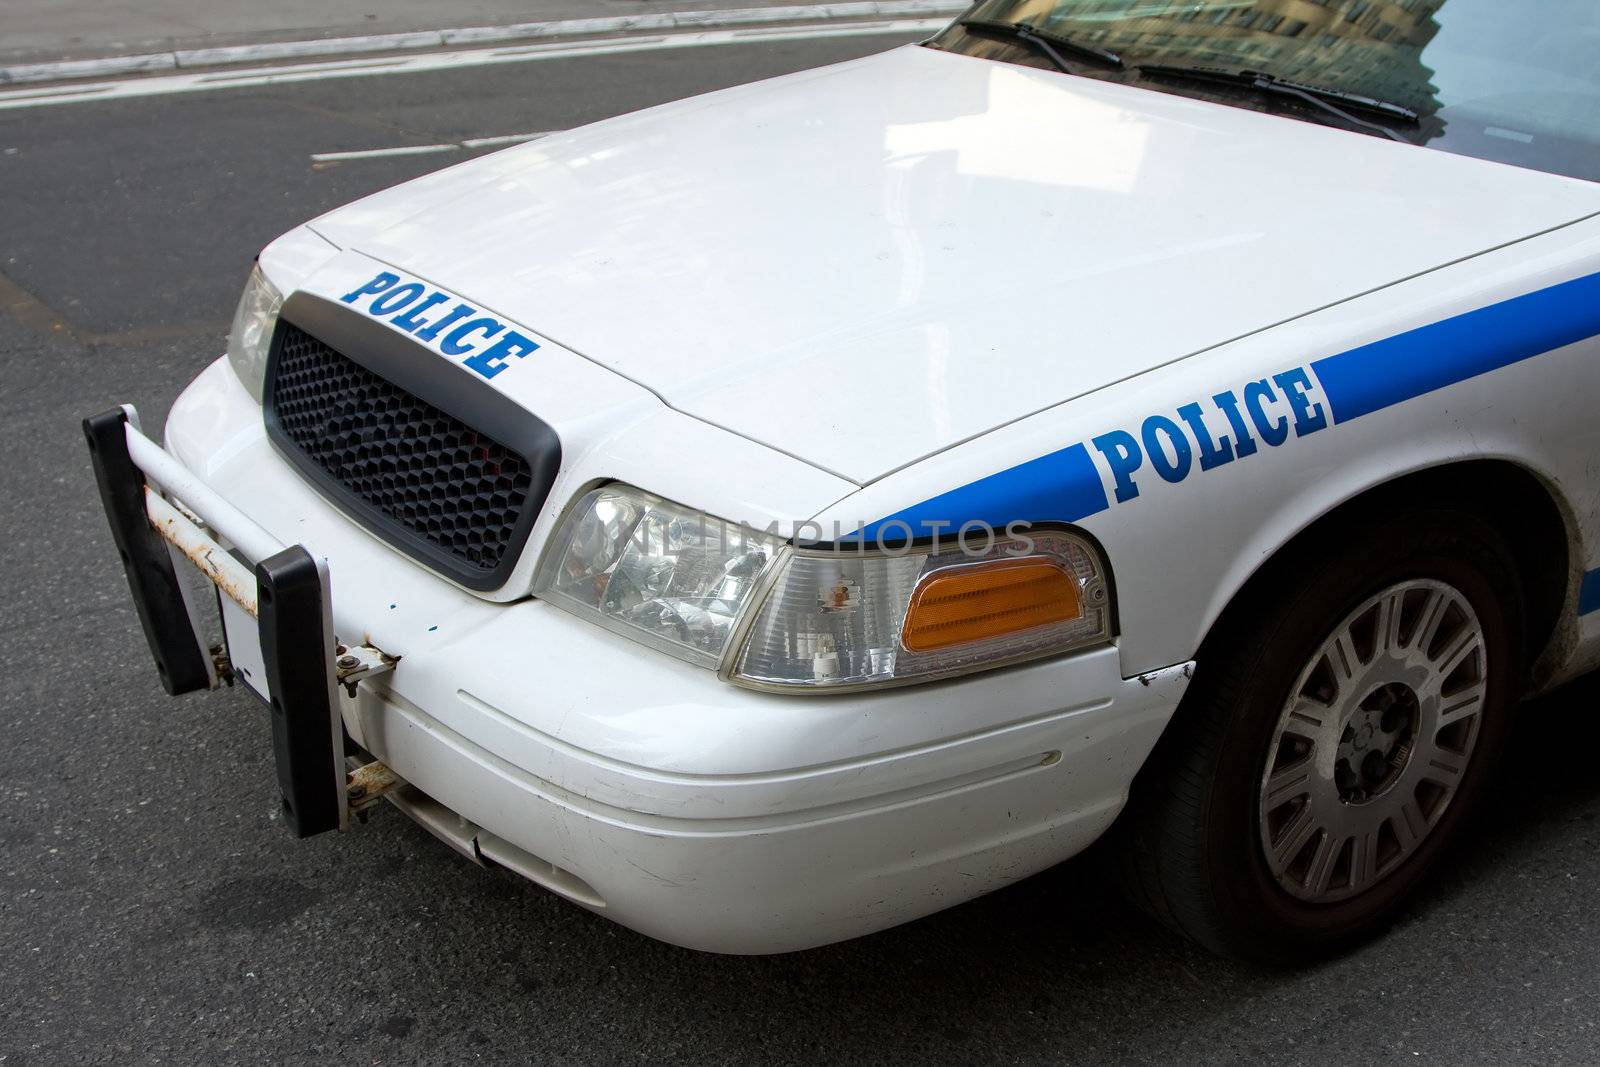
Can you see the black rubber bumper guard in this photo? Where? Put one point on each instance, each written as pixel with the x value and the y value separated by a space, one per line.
pixel 297 642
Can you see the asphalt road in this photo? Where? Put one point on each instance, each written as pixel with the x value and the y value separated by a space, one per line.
pixel 151 907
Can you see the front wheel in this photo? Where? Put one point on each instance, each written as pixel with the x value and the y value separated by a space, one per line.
pixel 1339 728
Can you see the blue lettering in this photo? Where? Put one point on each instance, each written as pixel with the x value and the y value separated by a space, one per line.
pixel 396 298
pixel 1273 433
pixel 1122 455
pixel 1177 468
pixel 1229 404
pixel 1212 453
pixel 493 360
pixel 381 283
pixel 1308 416
pixel 457 313
pixel 452 344
pixel 409 321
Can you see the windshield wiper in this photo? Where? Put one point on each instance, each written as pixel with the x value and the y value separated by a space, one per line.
pixel 1327 100
pixel 1050 44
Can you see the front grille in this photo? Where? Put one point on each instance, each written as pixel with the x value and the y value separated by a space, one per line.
pixel 390 455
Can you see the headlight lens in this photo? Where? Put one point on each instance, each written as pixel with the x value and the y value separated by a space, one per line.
pixel 251 336
pixel 840 619
pixel 673 578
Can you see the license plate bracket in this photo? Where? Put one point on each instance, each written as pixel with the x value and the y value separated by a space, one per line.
pixel 241 640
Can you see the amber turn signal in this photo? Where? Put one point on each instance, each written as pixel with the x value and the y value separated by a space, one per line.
pixel 970 603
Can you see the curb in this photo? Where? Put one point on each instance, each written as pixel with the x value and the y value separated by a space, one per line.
pixel 182 59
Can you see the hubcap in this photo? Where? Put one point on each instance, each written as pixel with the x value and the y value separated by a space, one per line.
pixel 1373 741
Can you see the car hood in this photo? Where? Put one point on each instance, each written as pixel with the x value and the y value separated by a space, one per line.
pixel 865 264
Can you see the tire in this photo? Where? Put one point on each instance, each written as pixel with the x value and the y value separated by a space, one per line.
pixel 1208 842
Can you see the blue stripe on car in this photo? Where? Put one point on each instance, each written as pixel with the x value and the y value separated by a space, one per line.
pixel 1589 593
pixel 1408 365
pixel 1063 486
pixel 1066 486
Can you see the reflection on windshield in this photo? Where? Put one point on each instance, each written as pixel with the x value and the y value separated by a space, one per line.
pixel 1372 46
pixel 1509 80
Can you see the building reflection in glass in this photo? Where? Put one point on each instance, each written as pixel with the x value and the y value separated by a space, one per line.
pixel 1373 47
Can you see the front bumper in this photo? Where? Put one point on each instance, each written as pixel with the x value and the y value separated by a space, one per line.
pixel 798 856
pixel 653 792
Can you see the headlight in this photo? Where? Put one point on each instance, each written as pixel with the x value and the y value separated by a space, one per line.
pixel 251 336
pixel 823 620
pixel 657 572
pixel 837 619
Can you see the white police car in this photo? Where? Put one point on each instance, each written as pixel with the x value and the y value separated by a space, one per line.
pixel 781 514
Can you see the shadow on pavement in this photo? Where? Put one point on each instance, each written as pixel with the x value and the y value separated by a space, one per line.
pixel 1064 947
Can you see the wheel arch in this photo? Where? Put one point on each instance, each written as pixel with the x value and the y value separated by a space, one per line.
pixel 1524 505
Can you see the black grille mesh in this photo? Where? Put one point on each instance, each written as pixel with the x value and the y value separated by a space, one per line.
pixel 442 481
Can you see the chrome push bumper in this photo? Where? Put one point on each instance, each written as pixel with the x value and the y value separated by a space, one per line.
pixel 273 600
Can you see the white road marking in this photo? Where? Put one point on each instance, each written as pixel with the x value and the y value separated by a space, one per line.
pixel 221 79
pixel 380 153
pixel 509 138
pixel 469 144
pixel 163 85
pixel 182 59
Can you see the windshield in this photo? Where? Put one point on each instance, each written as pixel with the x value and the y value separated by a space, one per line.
pixel 1517 81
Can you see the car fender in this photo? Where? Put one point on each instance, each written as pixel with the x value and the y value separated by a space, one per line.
pixel 1180 548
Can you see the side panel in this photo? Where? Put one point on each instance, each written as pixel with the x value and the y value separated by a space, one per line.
pixel 1194 475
